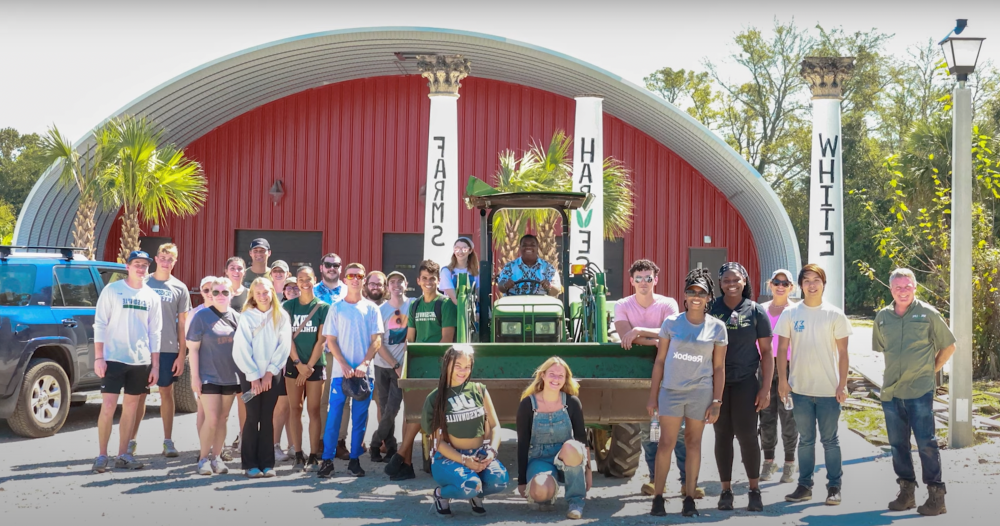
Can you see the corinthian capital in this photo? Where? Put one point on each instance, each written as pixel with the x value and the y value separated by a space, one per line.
pixel 826 74
pixel 443 72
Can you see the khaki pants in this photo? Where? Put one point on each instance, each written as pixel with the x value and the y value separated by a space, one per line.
pixel 325 408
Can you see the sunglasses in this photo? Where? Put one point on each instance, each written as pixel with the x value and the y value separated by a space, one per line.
pixel 327 264
pixel 695 293
pixel 355 277
pixel 217 292
pixel 781 283
pixel 641 279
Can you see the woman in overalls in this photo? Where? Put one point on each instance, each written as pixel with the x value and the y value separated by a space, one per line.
pixel 551 439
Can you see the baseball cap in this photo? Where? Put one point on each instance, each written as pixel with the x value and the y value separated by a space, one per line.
pixel 138 254
pixel 395 273
pixel 260 242
pixel 280 264
pixel 206 280
pixel 788 275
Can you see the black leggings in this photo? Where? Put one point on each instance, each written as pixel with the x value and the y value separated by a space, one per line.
pixel 257 442
pixel 738 418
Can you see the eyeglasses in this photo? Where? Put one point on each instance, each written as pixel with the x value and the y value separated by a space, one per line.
pixel 355 277
pixel 374 284
pixel 206 292
pixel 217 292
pixel 462 249
pixel 781 283
pixel 327 264
pixel 643 279
pixel 695 293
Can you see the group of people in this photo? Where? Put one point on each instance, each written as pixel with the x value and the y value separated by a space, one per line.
pixel 277 343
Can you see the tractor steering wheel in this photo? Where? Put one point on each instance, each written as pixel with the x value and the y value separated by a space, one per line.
pixel 535 290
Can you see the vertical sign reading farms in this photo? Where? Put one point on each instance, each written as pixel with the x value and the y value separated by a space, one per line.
pixel 825 76
pixel 586 243
pixel 443 73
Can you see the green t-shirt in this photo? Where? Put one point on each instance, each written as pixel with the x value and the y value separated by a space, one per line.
pixel 465 412
pixel 306 339
pixel 425 319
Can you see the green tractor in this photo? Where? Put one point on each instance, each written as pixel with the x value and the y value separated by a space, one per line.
pixel 516 334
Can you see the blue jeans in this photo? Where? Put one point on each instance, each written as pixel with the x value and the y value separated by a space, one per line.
pixel 680 452
pixel 460 482
pixel 917 415
pixel 823 412
pixel 359 419
pixel 573 477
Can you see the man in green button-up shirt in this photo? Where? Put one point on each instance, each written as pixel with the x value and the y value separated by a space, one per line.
pixel 916 343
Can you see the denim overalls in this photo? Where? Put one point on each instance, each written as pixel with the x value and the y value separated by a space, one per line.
pixel 549 431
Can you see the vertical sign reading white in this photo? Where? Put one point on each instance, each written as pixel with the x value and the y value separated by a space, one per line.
pixel 586 243
pixel 441 200
pixel 826 199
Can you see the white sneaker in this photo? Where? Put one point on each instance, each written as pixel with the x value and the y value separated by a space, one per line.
pixel 219 467
pixel 788 472
pixel 204 467
pixel 279 455
pixel 767 470
pixel 132 445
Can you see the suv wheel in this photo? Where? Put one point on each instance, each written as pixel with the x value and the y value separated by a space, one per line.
pixel 43 402
pixel 184 400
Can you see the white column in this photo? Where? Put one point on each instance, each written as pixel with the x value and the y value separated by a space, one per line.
pixel 586 243
pixel 826 187
pixel 441 200
pixel 960 433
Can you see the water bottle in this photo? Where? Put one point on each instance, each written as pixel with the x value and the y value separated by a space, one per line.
pixel 654 428
pixel 788 402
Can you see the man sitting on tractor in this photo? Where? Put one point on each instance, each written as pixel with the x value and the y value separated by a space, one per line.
pixel 529 275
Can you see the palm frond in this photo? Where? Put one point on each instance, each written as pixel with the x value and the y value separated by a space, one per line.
pixel 618 203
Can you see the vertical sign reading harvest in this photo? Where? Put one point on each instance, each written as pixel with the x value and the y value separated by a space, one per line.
pixel 587 225
pixel 826 186
pixel 441 202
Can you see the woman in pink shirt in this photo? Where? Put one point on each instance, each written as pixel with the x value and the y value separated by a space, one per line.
pixel 781 286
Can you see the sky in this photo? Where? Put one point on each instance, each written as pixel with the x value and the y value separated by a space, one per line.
pixel 73 63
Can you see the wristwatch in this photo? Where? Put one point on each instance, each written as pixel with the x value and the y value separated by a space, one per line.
pixel 297 362
pixel 397 366
pixel 716 401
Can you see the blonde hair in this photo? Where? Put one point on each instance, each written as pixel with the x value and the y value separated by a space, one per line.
pixel 275 303
pixel 168 248
pixel 222 280
pixel 571 387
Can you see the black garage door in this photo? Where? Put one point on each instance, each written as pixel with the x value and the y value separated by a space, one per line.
pixel 296 248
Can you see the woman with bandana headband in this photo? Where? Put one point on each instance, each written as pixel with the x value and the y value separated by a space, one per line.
pixel 748 329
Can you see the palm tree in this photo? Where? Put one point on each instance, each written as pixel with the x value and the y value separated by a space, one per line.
pixel 84 173
pixel 549 170
pixel 148 179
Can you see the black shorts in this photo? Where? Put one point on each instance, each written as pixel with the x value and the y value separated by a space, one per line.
pixel 216 389
pixel 279 385
pixel 318 374
pixel 134 379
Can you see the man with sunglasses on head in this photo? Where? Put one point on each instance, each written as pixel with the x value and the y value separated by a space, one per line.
pixel 389 365
pixel 637 320
pixel 331 290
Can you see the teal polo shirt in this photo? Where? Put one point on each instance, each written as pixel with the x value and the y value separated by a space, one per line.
pixel 910 344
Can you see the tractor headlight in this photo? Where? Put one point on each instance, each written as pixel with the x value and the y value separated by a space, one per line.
pixel 510 328
pixel 545 328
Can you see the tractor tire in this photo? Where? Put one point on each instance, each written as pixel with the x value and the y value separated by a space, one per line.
pixel 184 400
pixel 43 403
pixel 425 441
pixel 618 452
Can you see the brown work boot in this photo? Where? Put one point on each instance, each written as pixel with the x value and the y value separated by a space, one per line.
pixel 905 499
pixel 342 452
pixel 935 501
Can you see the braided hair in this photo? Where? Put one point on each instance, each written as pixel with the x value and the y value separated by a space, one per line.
pixel 737 268
pixel 701 277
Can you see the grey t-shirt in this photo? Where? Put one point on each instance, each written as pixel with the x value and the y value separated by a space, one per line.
pixel 174 299
pixel 214 330
pixel 394 338
pixel 689 357
pixel 354 325
pixel 250 276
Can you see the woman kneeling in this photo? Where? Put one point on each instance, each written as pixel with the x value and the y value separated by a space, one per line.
pixel 551 437
pixel 464 460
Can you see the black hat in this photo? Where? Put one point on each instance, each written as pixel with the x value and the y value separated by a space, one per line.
pixel 357 388
pixel 260 242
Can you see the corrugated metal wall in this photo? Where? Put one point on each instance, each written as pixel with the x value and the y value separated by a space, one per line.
pixel 352 157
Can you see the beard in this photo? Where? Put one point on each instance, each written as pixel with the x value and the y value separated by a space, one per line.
pixel 376 296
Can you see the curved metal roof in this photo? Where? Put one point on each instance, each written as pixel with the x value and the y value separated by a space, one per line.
pixel 198 101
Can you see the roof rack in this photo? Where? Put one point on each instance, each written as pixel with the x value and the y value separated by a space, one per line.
pixel 67 252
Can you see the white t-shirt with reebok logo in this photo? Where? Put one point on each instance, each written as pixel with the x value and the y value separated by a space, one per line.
pixel 813 331
pixel 688 365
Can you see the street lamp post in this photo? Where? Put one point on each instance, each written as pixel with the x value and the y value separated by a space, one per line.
pixel 961 53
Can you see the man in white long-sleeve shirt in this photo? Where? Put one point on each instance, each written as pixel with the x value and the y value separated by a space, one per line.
pixel 127 326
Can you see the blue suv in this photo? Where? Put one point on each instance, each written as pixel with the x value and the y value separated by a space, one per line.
pixel 47 303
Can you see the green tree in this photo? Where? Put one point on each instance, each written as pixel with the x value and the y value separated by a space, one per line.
pixel 148 179
pixel 689 90
pixel 7 222
pixel 83 172
pixel 21 164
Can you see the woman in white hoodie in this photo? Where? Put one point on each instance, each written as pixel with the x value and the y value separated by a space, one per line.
pixel 261 346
